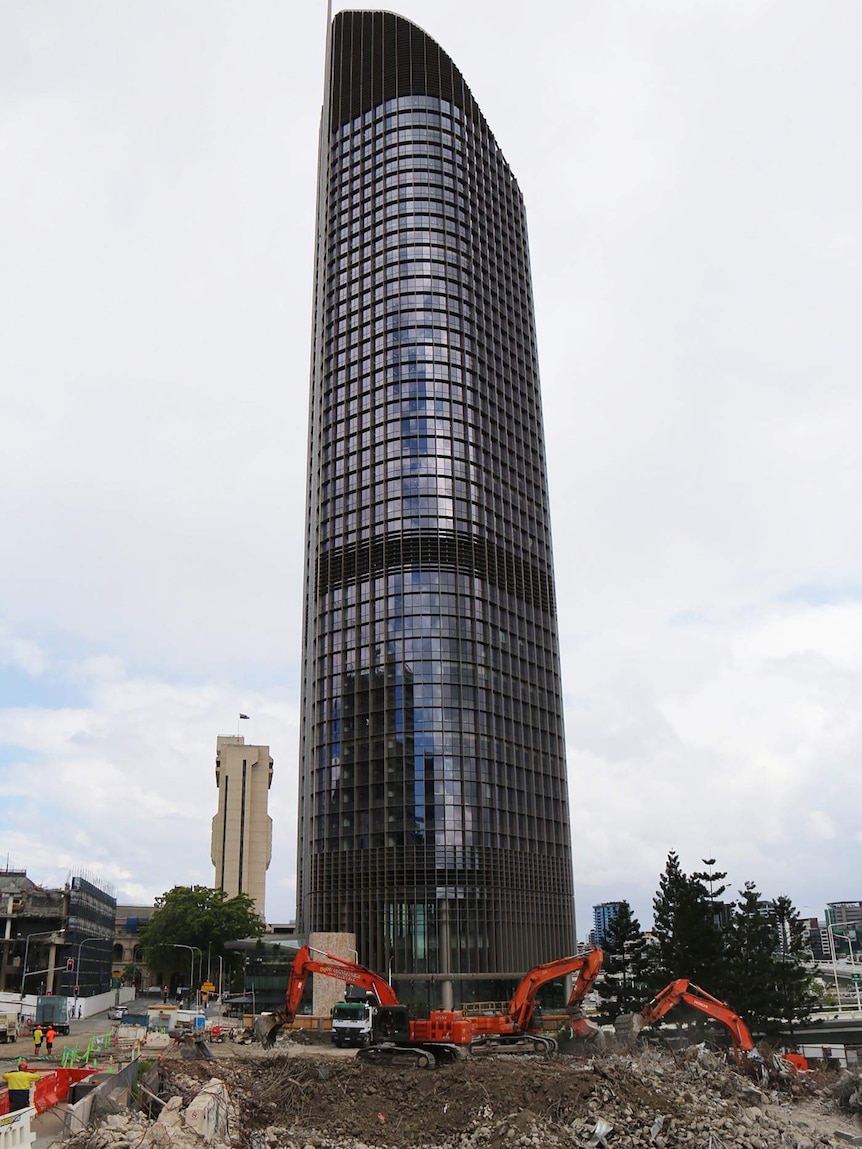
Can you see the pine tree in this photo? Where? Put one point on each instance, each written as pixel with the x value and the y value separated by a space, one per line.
pixel 713 968
pixel 710 877
pixel 621 989
pixel 666 903
pixel 686 938
pixel 795 984
pixel 751 959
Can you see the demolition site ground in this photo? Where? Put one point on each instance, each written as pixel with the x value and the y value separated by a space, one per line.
pixel 309 1099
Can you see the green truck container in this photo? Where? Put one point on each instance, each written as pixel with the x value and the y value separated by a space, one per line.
pixel 52 1010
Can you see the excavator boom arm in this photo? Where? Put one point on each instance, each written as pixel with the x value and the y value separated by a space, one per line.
pixel 686 992
pixel 585 980
pixel 523 1001
pixel 332 966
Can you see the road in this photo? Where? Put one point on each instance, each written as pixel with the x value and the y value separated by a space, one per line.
pixel 80 1031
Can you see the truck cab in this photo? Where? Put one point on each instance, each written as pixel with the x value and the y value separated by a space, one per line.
pixel 353 1023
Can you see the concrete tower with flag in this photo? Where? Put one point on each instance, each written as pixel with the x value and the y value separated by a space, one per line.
pixel 242 829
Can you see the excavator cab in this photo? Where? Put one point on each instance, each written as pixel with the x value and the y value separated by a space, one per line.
pixel 391 1023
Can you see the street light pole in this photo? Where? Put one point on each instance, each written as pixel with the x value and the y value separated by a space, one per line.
pixel 191 949
pixel 200 976
pixel 834 964
pixel 42 934
pixel 81 944
pixel 847 938
pixel 853 973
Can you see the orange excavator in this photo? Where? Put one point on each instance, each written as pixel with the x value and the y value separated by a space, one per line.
pixel 385 1032
pixel 685 992
pixel 515 1029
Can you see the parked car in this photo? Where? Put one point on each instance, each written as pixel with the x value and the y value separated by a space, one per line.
pixel 117 1012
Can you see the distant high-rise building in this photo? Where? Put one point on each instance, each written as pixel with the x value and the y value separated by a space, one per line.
pixel 818 939
pixel 844 924
pixel 842 914
pixel 433 800
pixel 603 915
pixel 242 828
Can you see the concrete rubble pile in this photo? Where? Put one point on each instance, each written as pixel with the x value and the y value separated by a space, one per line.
pixel 847 1091
pixel 646 1100
pixel 209 1119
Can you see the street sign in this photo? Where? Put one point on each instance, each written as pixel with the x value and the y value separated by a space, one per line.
pixel 856 976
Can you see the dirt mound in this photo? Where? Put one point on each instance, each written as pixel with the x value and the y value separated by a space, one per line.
pixel 387 1106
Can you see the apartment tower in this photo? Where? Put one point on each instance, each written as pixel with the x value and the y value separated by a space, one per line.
pixel 242 829
pixel 433 803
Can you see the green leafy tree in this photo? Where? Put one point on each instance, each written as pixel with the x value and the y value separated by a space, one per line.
pixel 795 984
pixel 621 988
pixel 197 917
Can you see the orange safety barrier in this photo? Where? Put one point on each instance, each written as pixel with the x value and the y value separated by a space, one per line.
pixel 67 1078
pixel 54 1086
pixel 45 1092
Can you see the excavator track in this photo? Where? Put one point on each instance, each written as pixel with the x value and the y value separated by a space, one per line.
pixel 535 1043
pixel 398 1056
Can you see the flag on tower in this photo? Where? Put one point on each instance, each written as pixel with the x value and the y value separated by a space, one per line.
pixel 243 716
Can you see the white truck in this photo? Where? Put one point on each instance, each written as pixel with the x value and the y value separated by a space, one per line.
pixel 8 1027
pixel 353 1023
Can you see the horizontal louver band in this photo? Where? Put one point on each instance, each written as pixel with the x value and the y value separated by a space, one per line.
pixel 436 550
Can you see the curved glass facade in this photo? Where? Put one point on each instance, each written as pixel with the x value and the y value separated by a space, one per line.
pixel 433 797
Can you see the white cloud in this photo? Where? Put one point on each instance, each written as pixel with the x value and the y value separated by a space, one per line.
pixel 822 825
pixel 21 654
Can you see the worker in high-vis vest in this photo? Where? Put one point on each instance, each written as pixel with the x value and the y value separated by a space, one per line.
pixel 18 1082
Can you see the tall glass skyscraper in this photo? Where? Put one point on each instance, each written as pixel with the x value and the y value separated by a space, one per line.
pixel 433 815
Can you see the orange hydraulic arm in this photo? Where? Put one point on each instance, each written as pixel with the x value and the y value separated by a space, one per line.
pixel 587 975
pixel 331 966
pixel 519 1016
pixel 523 1002
pixel 683 991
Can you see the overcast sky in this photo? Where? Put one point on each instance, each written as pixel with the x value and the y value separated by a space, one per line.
pixel 693 181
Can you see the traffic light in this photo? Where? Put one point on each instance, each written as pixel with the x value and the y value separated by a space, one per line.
pixel 70 963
